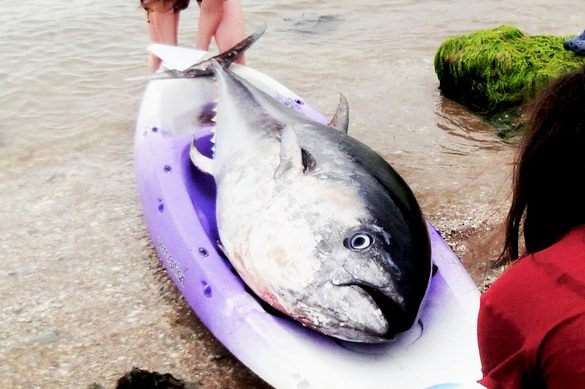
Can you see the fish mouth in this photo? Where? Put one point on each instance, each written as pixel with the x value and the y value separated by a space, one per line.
pixel 397 318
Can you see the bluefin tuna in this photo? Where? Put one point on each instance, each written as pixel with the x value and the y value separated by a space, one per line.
pixel 316 223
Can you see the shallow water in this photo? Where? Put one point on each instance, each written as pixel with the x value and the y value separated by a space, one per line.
pixel 83 297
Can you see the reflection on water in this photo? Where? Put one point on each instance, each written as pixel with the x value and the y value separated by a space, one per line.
pixel 474 133
pixel 82 299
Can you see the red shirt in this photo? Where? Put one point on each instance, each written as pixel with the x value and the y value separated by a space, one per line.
pixel 531 325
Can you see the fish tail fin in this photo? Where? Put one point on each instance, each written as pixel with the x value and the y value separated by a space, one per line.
pixel 203 68
pixel 234 53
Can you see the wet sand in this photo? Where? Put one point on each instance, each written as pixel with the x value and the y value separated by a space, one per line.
pixel 83 296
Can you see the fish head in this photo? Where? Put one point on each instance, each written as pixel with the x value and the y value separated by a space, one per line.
pixel 361 294
pixel 377 266
pixel 387 255
pixel 374 252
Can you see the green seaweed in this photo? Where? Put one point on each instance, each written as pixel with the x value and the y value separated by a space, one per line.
pixel 502 68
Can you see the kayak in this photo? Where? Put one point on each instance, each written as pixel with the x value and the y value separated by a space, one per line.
pixel 179 209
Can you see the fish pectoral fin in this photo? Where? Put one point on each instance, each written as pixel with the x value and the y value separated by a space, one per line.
pixel 291 156
pixel 200 161
pixel 340 120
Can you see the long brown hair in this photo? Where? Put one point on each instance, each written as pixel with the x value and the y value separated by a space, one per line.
pixel 548 196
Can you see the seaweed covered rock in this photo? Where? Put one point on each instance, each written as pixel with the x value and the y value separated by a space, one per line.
pixel 498 69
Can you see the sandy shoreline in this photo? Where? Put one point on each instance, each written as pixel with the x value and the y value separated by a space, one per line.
pixel 84 299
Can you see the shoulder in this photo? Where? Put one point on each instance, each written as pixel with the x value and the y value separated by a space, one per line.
pixel 518 282
pixel 558 271
pixel 533 313
pixel 538 291
pixel 504 316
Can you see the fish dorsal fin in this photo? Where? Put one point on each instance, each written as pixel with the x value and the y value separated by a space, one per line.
pixel 291 156
pixel 340 120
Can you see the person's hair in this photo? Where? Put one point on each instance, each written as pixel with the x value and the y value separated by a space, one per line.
pixel 548 196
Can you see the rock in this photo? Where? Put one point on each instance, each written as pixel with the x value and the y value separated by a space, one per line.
pixel 491 71
pixel 143 379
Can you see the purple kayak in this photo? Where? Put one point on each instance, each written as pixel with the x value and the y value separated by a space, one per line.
pixel 179 209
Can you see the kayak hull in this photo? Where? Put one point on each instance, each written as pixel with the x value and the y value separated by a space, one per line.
pixel 179 209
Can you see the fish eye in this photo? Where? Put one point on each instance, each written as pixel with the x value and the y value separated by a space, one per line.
pixel 360 241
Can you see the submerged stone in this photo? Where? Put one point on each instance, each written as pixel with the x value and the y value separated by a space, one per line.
pixel 494 70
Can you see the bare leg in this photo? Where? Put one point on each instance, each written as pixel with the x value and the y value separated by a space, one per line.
pixel 231 28
pixel 162 28
pixel 209 19
pixel 224 20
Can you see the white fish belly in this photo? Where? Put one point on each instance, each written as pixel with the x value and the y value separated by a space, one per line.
pixel 270 229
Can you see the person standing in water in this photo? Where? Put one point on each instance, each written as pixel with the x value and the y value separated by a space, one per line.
pixel 222 19
pixel 531 325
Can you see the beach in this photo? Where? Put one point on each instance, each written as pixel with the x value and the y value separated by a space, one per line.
pixel 84 298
